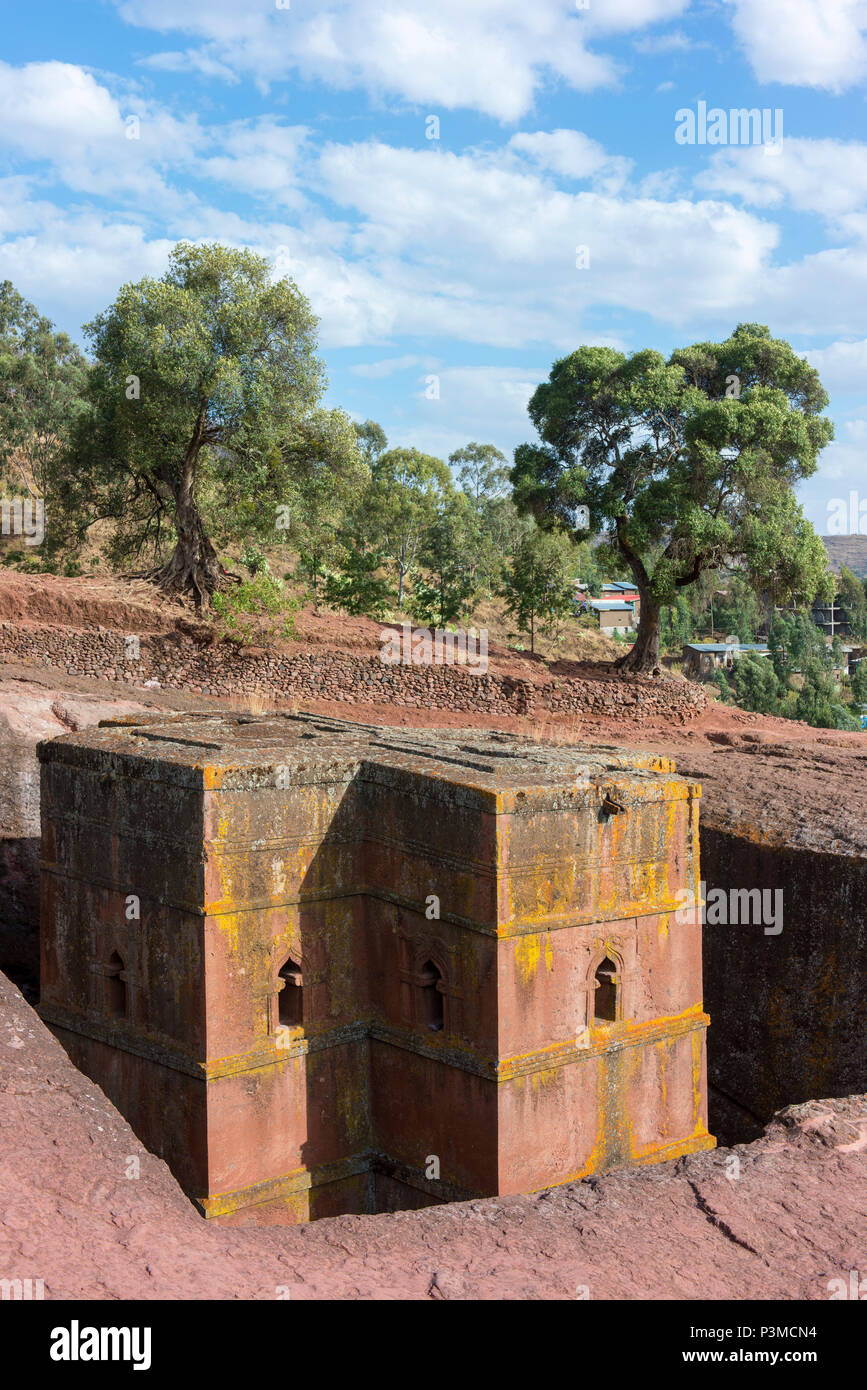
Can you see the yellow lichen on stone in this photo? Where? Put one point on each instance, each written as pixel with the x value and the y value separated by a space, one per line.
pixel 529 951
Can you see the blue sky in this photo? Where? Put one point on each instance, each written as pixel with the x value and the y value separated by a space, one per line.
pixel 449 265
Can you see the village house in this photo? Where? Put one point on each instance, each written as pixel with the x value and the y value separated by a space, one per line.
pixel 618 588
pixel 613 615
pixel 702 659
pixel 616 608
pixel 832 618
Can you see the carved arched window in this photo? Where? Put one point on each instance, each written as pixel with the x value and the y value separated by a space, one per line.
pixel 431 1002
pixel 116 993
pixel 290 999
pixel 606 982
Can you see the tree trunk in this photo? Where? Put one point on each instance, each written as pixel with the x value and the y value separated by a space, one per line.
pixel 643 655
pixel 194 567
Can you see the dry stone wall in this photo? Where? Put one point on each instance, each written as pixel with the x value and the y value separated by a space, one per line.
pixel 177 662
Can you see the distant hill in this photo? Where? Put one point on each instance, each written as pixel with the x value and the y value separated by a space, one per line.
pixel 847 550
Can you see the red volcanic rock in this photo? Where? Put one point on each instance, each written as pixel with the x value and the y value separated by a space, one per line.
pixel 411 1036
pixel 30 711
pixel 779 1218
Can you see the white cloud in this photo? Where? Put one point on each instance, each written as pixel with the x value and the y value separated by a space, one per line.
pixel 48 109
pixel 820 293
pixel 841 468
pixel 387 366
pixel 480 249
pixel 663 184
pixel 572 155
pixel 191 61
pixel 491 55
pixel 843 460
pixel 502 391
pixel 673 42
pixel 480 246
pixel 852 226
pixel 462 226
pixel 824 176
pixel 826 496
pixel 622 16
pixel 59 114
pixel 475 247
pixel 488 404
pixel 815 43
pixel 258 157
pixel 842 367
pixel 76 260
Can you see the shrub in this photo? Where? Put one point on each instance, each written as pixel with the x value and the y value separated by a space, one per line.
pixel 755 683
pixel 357 587
pixel 720 680
pixel 260 598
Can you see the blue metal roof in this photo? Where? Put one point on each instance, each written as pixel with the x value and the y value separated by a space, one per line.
pixel 727 646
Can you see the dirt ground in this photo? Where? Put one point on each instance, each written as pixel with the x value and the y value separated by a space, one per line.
pixel 136 606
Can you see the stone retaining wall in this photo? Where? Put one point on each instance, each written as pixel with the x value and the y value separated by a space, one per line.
pixel 177 662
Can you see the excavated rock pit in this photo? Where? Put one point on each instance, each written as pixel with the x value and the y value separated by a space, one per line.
pixel 95 1216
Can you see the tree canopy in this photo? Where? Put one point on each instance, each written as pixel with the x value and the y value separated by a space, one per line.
pixel 203 378
pixel 407 487
pixel 686 464
pixel 539 587
pixel 42 381
pixel 853 597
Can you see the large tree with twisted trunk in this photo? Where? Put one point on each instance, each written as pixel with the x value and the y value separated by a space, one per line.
pixel 201 379
pixel 685 465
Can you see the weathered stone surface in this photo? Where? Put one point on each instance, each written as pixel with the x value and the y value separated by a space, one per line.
pixel 26 716
pixel 176 662
pixel 788 1005
pixel 769 787
pixel 73 1213
pixel 791 1006
pixel 496 995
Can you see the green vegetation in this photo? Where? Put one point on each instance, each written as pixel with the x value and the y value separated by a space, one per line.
pixel 540 584
pixel 198 432
pixel 199 400
pixel 43 378
pixel 796 681
pixel 755 684
pixel 819 704
pixel 853 597
pixel 357 586
pixel 262 596
pixel 689 464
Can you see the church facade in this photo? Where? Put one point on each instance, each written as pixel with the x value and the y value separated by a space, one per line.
pixel 327 968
